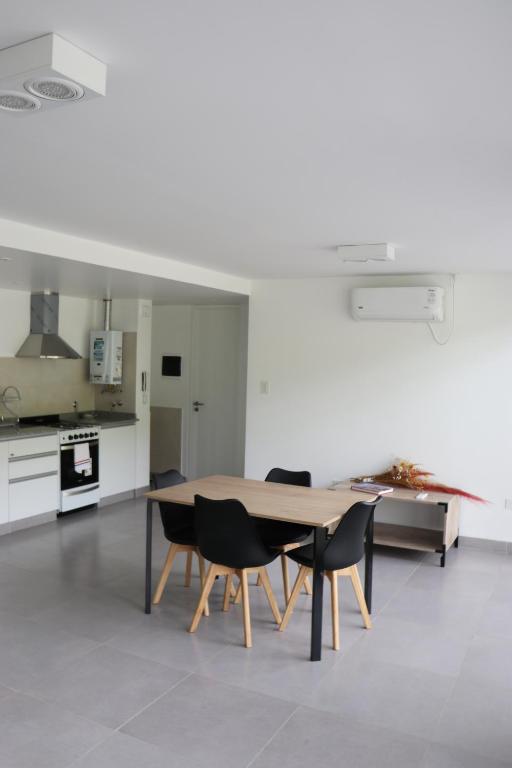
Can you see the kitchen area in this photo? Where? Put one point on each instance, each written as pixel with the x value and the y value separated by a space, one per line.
pixel 74 405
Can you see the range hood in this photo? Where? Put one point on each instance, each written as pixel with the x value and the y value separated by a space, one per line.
pixel 44 340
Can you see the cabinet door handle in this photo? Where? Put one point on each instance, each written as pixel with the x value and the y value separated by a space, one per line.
pixel 27 456
pixel 32 477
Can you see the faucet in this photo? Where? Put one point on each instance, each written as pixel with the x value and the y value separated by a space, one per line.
pixel 116 402
pixel 4 399
pixel 75 405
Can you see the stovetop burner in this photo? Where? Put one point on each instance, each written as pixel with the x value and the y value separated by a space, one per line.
pixel 54 421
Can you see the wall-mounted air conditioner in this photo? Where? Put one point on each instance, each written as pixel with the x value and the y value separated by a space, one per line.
pixel 417 304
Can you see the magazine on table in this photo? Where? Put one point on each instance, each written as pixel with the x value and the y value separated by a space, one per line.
pixel 373 488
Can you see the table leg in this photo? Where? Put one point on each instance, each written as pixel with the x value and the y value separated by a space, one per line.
pixel 368 564
pixel 318 590
pixel 149 545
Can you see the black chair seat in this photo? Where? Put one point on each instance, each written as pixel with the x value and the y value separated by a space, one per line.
pixel 227 536
pixel 306 556
pixel 184 536
pixel 177 519
pixel 276 533
pixel 345 547
pixel 303 555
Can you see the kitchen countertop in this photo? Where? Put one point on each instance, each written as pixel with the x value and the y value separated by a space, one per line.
pixel 19 432
pixel 103 419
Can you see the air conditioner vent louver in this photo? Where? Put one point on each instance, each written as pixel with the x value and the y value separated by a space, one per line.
pixel 56 89
pixel 18 102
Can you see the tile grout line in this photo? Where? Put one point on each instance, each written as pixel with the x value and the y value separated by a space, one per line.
pixel 171 688
pixel 283 724
pixel 118 729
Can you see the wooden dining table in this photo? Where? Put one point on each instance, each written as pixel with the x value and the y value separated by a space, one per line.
pixel 316 507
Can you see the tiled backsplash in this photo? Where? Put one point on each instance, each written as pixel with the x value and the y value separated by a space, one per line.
pixel 47 386
pixel 51 386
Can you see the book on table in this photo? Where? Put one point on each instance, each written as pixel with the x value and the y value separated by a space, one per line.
pixel 373 488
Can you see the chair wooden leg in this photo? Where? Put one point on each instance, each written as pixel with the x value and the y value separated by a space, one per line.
pixel 171 554
pixel 301 576
pixel 335 610
pixel 227 592
pixel 200 559
pixel 233 592
pixel 258 580
pixel 358 589
pixel 286 579
pixel 246 609
pixel 188 569
pixel 307 586
pixel 238 594
pixel 270 595
pixel 210 578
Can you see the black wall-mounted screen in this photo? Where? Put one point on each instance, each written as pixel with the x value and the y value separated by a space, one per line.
pixel 171 365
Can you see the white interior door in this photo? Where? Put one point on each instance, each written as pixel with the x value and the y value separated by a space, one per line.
pixel 217 391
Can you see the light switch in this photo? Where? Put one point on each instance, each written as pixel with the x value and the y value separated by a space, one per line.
pixel 264 388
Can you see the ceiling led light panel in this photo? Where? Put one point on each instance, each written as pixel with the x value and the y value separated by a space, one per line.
pixel 55 89
pixel 12 101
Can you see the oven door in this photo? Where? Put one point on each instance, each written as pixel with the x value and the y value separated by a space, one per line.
pixel 69 478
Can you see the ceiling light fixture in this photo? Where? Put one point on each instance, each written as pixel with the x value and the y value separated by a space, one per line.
pixel 55 89
pixel 13 101
pixel 365 252
pixel 47 72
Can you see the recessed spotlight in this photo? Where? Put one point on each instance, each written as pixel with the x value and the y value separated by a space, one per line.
pixel 13 101
pixel 5 258
pixel 55 89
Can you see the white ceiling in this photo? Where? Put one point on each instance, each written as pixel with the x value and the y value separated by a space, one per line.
pixel 26 271
pixel 251 137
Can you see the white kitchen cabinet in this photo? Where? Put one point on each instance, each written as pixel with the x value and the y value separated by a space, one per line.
pixel 33 446
pixel 33 496
pixel 117 460
pixel 4 484
pixel 33 476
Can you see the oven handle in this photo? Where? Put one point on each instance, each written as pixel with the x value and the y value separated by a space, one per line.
pixel 81 490
pixel 70 447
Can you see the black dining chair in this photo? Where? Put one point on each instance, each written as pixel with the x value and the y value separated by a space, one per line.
pixel 285 536
pixel 178 525
pixel 228 537
pixel 344 549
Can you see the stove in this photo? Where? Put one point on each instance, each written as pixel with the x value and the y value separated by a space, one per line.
pixel 79 459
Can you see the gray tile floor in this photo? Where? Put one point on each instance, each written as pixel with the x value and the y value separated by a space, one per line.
pixel 87 680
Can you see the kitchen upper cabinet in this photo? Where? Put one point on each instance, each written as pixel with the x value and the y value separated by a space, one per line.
pixel 117 460
pixel 4 484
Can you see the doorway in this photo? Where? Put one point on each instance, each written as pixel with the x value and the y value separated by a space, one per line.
pixel 198 382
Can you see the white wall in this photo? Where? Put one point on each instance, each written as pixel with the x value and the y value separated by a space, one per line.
pixel 76 318
pixel 347 398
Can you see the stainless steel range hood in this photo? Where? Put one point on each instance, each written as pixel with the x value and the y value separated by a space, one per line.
pixel 44 340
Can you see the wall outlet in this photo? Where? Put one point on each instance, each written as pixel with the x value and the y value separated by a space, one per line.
pixel 264 388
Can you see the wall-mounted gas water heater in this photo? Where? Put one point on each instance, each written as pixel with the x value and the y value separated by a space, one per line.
pixel 106 353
